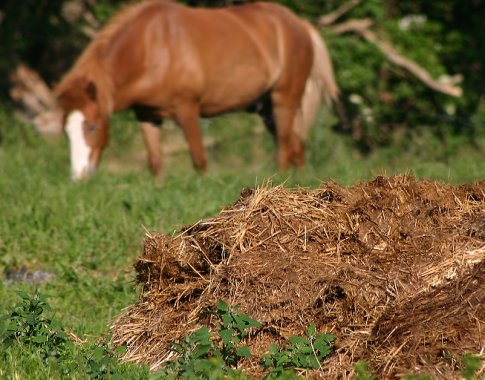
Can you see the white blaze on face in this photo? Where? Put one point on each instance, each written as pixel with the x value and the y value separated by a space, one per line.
pixel 80 151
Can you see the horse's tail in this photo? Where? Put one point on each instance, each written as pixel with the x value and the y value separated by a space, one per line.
pixel 320 83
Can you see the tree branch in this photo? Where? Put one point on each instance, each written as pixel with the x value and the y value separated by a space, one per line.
pixel 361 27
pixel 39 105
pixel 330 18
pixel 354 25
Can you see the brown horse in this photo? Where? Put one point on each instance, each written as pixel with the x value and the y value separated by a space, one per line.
pixel 163 59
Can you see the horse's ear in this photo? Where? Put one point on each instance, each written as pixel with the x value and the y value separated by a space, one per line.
pixel 91 90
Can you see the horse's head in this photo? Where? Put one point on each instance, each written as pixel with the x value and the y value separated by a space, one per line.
pixel 85 124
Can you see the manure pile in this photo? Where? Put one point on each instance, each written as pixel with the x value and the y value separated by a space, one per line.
pixel 394 268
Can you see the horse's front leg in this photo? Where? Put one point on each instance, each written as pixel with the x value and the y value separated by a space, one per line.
pixel 187 117
pixel 151 136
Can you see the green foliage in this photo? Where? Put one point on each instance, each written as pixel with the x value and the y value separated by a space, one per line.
pixel 302 352
pixel 197 359
pixel 382 98
pixel 27 327
pixel 209 368
pixel 44 40
pixel 103 10
pixel 101 361
pixel 233 328
pixel 471 365
pixel 203 353
pixel 361 371
pixel 217 354
pixel 27 324
pixel 51 37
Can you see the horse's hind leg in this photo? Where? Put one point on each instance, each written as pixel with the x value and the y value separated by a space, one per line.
pixel 187 117
pixel 298 142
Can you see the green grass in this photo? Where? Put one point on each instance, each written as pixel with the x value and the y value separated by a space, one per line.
pixel 89 234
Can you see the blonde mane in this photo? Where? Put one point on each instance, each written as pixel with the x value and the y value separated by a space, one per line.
pixel 90 64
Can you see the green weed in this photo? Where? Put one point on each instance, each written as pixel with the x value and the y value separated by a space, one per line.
pixel 361 371
pixel 218 354
pixel 471 366
pixel 302 352
pixel 27 329
pixel 203 352
pixel 26 324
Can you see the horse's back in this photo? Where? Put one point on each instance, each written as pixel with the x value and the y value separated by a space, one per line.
pixel 246 50
pixel 296 49
pixel 224 57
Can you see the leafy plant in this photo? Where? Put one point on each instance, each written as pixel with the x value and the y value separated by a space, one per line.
pixel 302 352
pixel 233 328
pixel 194 353
pixel 361 371
pixel 27 324
pixel 101 361
pixel 206 355
pixel 471 366
pixel 202 352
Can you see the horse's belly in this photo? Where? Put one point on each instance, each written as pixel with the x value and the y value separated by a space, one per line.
pixel 233 93
pixel 226 105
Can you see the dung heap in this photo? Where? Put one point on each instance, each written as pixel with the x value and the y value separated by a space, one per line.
pixel 394 268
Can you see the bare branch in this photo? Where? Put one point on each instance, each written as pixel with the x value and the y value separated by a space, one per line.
pixel 29 88
pixel 37 101
pixel 361 27
pixel 330 18
pixel 92 26
pixel 354 25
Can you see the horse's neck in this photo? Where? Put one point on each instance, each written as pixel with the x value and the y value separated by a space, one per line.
pixel 104 87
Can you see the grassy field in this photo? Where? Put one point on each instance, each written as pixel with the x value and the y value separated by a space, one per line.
pixel 88 234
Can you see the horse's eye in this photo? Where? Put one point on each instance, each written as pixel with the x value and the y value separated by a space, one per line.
pixel 90 127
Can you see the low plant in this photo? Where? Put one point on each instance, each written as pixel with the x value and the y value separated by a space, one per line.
pixel 194 358
pixel 302 352
pixel 203 354
pixel 361 371
pixel 233 327
pixel 29 328
pixel 471 366
pixel 216 355
pixel 27 324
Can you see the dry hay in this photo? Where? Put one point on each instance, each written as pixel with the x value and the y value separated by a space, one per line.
pixel 395 268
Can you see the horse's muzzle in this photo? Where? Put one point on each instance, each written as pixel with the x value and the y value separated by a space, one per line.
pixel 83 174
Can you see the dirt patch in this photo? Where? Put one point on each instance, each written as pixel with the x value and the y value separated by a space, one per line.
pixel 395 268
